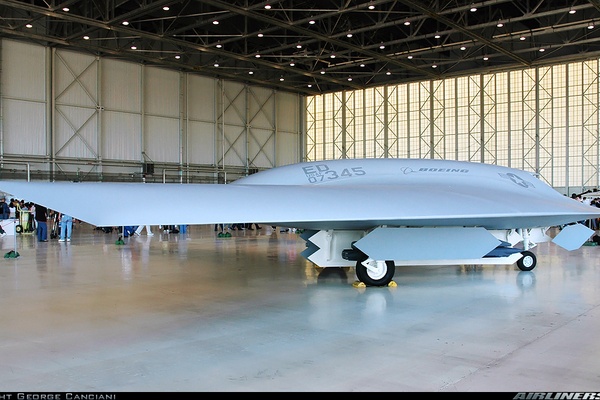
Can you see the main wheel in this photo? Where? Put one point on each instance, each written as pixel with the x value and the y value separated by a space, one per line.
pixel 19 228
pixel 380 276
pixel 527 262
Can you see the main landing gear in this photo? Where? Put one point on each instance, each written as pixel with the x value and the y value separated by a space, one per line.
pixel 380 250
pixel 375 273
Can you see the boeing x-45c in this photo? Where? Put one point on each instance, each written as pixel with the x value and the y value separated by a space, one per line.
pixel 372 214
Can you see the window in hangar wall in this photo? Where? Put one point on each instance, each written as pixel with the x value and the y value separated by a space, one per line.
pixel 544 120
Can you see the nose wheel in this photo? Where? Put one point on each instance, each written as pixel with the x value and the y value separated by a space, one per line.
pixel 527 262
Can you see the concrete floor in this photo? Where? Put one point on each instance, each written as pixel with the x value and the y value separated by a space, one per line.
pixel 193 312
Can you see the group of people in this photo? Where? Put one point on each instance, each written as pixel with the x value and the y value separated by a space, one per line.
pixel 41 216
pixel 65 222
pixel 590 201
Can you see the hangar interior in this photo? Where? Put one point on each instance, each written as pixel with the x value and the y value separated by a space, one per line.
pixel 208 91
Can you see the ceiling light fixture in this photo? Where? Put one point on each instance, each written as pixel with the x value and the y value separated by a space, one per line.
pixel 349 79
pixel 309 85
pixel 281 79
pixel 382 46
pixel 591 25
pixel 463 48
pixel 572 11
pixel 298 46
pixel 434 66
pixel 485 58
pixel 215 22
pixel 292 63
pixel 542 50
pixel 312 22
pixel 437 36
pixel 28 26
pixel 218 45
pixel 267 6
pixel 257 56
pixel 500 24
pixel 362 65
pixel 216 64
pixel 349 34
pixel 406 23
pixel 322 72
pixel 473 8
pixel 522 37
pixel 166 8
pixel 371 6
pixel 250 72
pixel 388 73
pixel 332 55
pixel 65 9
pixel 177 57
pixel 125 23
pixel 133 47
pixel 410 57
pixel 86 37
pixel 260 34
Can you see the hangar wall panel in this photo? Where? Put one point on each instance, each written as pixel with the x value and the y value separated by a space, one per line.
pixel 161 134
pixel 75 117
pixel 75 79
pixel 201 142
pixel 287 114
pixel 234 103
pixel 23 71
pixel 161 92
pixel 260 145
pixel 121 111
pixel 201 96
pixel 287 122
pixel 285 153
pixel 118 141
pixel 120 83
pixel 161 138
pixel 261 104
pixel 232 140
pixel 24 125
pixel 76 131
pixel 24 128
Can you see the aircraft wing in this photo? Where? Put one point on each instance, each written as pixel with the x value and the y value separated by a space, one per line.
pixel 337 194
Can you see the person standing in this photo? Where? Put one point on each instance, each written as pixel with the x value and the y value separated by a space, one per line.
pixel 66 227
pixel 41 218
pixel 4 210
pixel 12 208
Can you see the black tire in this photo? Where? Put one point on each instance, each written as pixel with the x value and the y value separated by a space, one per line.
pixel 527 262
pixel 381 279
pixel 19 228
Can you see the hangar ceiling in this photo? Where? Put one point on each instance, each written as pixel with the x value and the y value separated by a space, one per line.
pixel 311 47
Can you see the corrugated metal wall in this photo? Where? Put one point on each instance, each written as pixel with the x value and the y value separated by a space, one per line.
pixel 67 115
